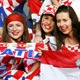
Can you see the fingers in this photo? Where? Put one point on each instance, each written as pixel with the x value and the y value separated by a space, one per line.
pixel 41 49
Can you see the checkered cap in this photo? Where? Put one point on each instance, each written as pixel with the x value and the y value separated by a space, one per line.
pixel 50 9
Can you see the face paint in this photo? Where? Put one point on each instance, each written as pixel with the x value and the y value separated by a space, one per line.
pixel 15 29
pixel 9 31
pixel 44 22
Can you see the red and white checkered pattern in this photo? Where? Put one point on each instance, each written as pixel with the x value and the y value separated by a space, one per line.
pixel 15 75
pixel 74 48
pixel 19 75
pixel 9 65
pixel 65 2
pixel 50 9
pixel 9 5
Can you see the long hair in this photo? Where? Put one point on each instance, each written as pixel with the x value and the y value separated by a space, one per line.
pixel 25 36
pixel 42 31
pixel 75 25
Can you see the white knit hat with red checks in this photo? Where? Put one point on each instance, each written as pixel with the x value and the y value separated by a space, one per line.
pixel 50 9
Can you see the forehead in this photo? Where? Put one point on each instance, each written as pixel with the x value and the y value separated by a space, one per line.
pixel 62 15
pixel 14 22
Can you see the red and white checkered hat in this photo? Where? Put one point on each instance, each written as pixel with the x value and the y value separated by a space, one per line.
pixel 50 9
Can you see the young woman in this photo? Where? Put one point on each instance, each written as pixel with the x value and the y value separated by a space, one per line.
pixel 68 38
pixel 45 27
pixel 67 27
pixel 15 30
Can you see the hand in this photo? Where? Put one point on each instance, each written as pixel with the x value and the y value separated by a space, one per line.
pixel 37 38
pixel 41 49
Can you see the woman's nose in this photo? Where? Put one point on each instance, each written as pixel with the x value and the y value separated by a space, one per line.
pixel 61 23
pixel 48 21
pixel 14 27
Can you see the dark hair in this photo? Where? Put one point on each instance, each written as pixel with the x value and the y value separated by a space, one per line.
pixel 42 31
pixel 75 25
pixel 25 36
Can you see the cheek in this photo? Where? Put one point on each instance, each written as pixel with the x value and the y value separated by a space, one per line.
pixel 43 22
pixel 52 23
pixel 9 30
pixel 68 24
pixel 20 28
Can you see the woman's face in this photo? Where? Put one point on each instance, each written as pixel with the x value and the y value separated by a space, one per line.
pixel 47 24
pixel 15 30
pixel 64 22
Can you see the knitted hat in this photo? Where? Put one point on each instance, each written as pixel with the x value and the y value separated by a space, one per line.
pixel 50 9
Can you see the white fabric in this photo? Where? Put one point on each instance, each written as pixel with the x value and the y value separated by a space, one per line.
pixel 46 2
pixel 52 42
pixel 49 72
pixel 76 6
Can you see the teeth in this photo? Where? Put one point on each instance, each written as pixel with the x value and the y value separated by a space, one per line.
pixel 47 27
pixel 15 33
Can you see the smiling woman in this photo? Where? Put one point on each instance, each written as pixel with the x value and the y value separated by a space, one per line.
pixel 15 29
pixel 67 26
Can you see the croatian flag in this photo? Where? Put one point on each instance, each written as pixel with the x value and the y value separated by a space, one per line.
pixel 6 8
pixel 9 6
pixel 34 6
pixel 60 65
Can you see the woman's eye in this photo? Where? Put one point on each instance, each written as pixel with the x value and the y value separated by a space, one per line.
pixel 65 20
pixel 10 25
pixel 46 18
pixel 18 25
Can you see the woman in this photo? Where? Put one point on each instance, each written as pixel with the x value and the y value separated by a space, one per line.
pixel 67 27
pixel 68 38
pixel 15 30
pixel 18 33
pixel 45 28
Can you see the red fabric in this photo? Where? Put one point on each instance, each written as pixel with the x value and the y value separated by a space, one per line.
pixel 31 36
pixel 20 1
pixel 35 73
pixel 34 5
pixel 62 59
pixel 18 74
pixel 14 17
pixel 0 39
pixel 9 9
pixel 39 45
pixel 1 2
pixel 67 3
pixel 10 2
